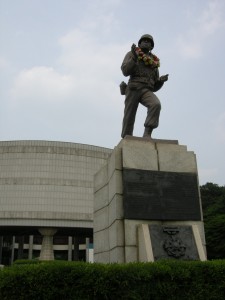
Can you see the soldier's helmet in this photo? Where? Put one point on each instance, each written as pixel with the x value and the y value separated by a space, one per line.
pixel 146 36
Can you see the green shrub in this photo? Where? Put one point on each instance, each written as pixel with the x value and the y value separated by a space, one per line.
pixel 26 261
pixel 34 261
pixel 169 280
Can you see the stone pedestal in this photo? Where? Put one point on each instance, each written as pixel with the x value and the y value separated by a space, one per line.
pixel 47 243
pixel 147 202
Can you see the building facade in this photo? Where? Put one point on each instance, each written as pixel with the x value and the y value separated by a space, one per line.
pixel 47 187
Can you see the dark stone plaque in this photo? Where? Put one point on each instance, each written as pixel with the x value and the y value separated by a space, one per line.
pixel 175 242
pixel 156 195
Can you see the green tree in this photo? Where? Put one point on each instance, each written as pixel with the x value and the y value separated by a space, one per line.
pixel 213 204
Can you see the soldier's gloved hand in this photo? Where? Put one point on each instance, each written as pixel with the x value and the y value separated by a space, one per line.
pixel 164 78
pixel 133 50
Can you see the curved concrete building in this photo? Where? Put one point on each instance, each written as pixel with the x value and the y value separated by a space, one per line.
pixel 46 186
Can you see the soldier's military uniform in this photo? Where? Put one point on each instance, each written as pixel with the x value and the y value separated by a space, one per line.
pixel 144 80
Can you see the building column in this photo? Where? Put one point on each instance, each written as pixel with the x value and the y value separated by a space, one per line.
pixel 12 252
pixel 1 245
pixel 30 251
pixel 70 244
pixel 87 240
pixel 47 252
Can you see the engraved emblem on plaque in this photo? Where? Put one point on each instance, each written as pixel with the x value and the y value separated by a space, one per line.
pixel 173 245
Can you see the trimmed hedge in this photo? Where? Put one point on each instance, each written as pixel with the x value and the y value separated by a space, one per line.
pixel 169 280
pixel 27 261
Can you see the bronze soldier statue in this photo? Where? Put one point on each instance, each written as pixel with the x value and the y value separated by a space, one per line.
pixel 142 67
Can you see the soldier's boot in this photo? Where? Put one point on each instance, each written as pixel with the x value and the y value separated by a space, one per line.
pixel 148 132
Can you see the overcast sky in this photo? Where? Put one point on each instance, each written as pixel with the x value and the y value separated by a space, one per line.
pixel 60 72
